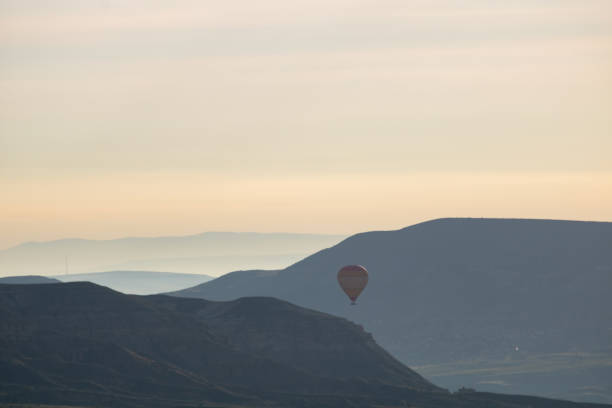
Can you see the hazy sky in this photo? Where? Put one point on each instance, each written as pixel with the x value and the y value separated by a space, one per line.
pixel 168 117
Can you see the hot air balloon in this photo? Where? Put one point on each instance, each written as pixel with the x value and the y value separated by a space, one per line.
pixel 353 279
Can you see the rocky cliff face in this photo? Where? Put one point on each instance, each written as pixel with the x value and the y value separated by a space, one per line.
pixel 314 342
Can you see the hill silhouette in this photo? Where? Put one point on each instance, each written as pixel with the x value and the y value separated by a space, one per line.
pixel 82 344
pixel 27 280
pixel 501 304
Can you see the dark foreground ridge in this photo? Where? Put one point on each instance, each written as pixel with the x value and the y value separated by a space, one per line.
pixel 86 345
pixel 506 305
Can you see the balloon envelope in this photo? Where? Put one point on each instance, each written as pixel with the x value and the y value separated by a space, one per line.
pixel 352 280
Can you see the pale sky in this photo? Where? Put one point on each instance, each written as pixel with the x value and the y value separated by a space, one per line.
pixel 124 118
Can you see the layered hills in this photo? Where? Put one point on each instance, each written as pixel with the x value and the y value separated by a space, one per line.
pixel 509 305
pixel 85 345
pixel 138 282
pixel 209 253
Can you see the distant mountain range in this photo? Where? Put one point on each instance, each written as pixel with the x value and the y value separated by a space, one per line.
pixel 210 253
pixel 86 345
pixel 138 282
pixel 27 280
pixel 507 305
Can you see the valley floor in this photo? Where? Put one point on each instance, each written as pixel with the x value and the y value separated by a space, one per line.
pixel 584 376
